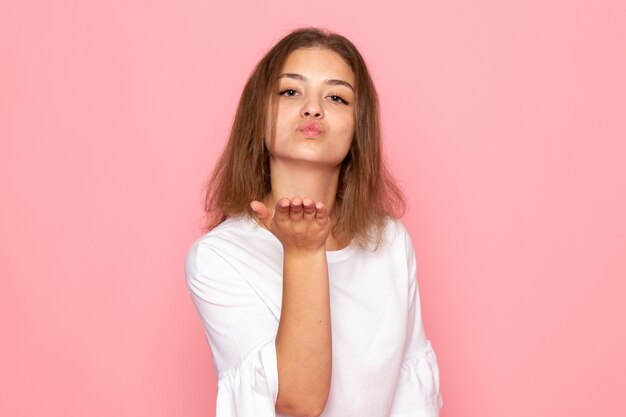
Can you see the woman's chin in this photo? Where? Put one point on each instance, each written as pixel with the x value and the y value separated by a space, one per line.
pixel 310 159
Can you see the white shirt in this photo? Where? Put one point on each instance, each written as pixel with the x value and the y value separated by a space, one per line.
pixel 383 364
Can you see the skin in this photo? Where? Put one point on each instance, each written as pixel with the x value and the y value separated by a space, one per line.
pixel 299 212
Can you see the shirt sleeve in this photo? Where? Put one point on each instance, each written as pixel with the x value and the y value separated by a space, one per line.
pixel 241 332
pixel 417 391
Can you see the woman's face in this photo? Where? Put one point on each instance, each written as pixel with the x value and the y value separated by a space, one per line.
pixel 315 117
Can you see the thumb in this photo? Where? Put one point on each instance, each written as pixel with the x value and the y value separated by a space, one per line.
pixel 261 212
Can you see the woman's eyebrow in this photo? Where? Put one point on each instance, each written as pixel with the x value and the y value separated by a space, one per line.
pixel 303 78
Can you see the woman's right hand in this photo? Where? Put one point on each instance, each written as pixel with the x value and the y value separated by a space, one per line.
pixel 299 224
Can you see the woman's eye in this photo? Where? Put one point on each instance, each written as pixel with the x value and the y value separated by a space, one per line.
pixel 290 92
pixel 338 99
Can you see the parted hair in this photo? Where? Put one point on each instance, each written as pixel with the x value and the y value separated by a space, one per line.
pixel 366 194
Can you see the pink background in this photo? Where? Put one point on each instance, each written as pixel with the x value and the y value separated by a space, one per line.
pixel 504 124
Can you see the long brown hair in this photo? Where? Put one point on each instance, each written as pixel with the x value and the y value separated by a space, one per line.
pixel 366 192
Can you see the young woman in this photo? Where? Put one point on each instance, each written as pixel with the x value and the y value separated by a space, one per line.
pixel 306 280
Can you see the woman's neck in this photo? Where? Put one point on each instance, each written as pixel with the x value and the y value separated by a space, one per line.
pixel 304 180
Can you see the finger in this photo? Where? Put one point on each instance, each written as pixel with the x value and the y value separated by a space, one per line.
pixel 282 209
pixel 321 214
pixel 261 212
pixel 309 208
pixel 296 208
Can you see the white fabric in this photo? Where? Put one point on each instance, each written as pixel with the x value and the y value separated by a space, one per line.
pixel 383 365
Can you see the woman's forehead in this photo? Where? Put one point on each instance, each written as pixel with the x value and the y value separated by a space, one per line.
pixel 316 64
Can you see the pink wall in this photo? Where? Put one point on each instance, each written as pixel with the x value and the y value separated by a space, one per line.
pixel 504 123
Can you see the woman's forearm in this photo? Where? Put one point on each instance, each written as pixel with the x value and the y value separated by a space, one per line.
pixel 303 341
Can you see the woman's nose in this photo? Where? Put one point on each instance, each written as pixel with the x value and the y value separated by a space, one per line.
pixel 313 108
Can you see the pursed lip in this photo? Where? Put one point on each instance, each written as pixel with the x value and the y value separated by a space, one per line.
pixel 310 127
